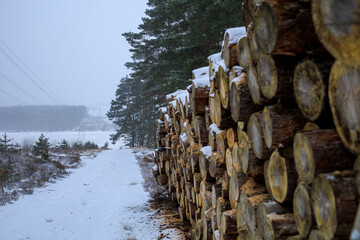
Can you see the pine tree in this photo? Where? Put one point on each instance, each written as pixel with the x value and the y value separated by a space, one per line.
pixel 5 145
pixel 174 38
pixel 41 148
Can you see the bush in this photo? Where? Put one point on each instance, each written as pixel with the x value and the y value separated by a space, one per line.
pixel 77 145
pixel 90 145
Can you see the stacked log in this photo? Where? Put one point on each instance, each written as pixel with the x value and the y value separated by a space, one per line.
pixel 263 143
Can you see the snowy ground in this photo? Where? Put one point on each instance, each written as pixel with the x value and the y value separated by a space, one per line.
pixel 104 199
pixel 99 137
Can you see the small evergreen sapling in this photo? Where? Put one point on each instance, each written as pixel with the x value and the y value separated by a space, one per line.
pixel 41 148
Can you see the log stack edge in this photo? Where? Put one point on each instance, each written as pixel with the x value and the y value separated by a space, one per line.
pixel 265 141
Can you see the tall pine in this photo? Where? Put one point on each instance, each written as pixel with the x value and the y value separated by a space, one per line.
pixel 175 37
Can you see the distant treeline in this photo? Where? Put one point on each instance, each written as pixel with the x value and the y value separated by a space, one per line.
pixel 41 118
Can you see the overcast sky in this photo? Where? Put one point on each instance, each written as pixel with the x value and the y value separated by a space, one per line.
pixel 75 47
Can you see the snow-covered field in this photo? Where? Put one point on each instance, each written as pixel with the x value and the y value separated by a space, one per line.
pixel 99 137
pixel 103 199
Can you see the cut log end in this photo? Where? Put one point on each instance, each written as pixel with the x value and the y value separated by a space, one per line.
pixel 267 75
pixel 304 158
pixel 309 89
pixel 302 210
pixel 344 96
pixel 278 178
pixel 336 24
pixel 266 30
pixel 253 82
pixel 324 206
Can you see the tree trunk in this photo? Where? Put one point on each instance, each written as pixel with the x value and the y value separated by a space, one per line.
pixel 228 222
pixel 265 208
pixel 319 151
pixel 335 201
pixel 251 205
pixel 280 125
pixel 279 226
pixel 275 75
pixel 222 116
pixel 241 104
pixel 285 28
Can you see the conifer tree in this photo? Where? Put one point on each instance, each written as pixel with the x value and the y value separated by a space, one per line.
pixel 174 38
pixel 41 148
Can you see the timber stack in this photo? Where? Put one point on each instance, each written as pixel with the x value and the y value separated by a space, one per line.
pixel 265 141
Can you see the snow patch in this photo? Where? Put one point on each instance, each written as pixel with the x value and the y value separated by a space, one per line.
pixel 235 34
pixel 201 72
pixel 206 151
pixel 214 129
pixel 201 82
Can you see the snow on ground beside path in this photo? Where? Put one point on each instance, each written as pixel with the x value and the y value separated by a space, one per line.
pixel 98 137
pixel 104 199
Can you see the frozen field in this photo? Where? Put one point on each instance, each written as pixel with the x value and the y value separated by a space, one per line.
pixel 98 137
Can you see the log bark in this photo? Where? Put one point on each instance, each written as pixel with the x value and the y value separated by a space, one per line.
pixel 229 51
pixel 335 201
pixel 302 210
pixel 336 25
pixel 162 179
pixel 228 222
pixel 251 205
pixel 204 161
pixel 285 28
pixel 344 96
pixel 263 210
pixel 222 116
pixel 280 125
pixel 275 75
pixel 201 131
pixel 319 151
pixel 221 206
pixel 279 226
pixel 310 86
pixel 282 177
pixel 199 96
pixel 250 164
pixel 241 104
pixel 356 226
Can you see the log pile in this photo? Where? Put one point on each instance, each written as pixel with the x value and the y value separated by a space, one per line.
pixel 265 141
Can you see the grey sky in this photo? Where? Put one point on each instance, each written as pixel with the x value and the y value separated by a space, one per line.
pixel 74 46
